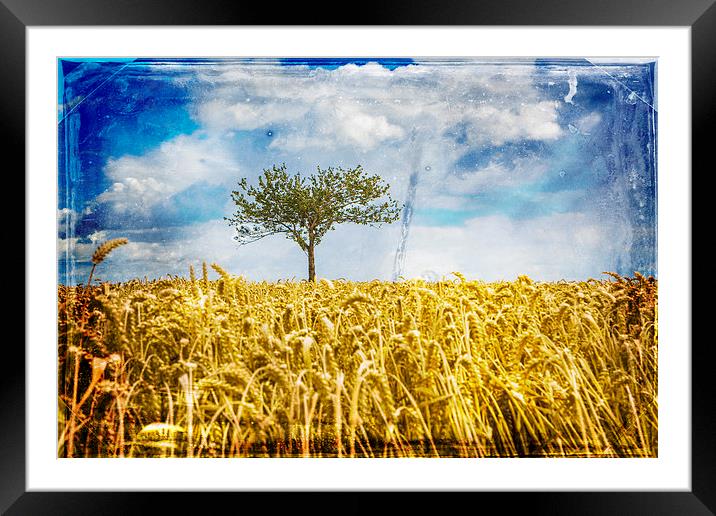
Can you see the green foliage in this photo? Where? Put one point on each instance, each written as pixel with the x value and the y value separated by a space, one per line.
pixel 304 209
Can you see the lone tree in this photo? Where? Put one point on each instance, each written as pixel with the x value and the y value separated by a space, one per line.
pixel 306 208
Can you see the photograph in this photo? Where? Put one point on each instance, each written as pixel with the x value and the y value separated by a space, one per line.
pixel 357 257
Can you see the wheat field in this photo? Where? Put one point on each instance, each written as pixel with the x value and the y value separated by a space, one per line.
pixel 218 366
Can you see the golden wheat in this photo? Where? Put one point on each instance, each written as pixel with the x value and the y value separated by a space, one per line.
pixel 101 253
pixel 107 247
pixel 230 368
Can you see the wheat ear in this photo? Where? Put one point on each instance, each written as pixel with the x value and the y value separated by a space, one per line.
pixel 101 253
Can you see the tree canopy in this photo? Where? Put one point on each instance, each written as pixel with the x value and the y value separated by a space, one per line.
pixel 305 208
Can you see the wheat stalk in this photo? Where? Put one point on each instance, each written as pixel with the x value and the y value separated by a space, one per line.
pixel 102 251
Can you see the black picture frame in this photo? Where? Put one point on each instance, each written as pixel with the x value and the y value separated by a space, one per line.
pixel 17 15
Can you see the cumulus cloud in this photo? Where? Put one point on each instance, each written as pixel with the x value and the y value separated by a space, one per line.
pixel 220 114
pixel 367 105
pixel 140 183
pixel 341 123
pixel 493 125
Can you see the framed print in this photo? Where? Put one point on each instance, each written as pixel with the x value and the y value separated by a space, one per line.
pixel 417 258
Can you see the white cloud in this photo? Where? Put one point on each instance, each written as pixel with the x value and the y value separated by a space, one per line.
pixel 495 126
pixel 367 105
pixel 141 182
pixel 494 176
pixel 218 114
pixel 361 128
pixel 559 246
pixel 343 123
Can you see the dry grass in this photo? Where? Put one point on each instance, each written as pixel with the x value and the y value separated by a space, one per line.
pixel 229 368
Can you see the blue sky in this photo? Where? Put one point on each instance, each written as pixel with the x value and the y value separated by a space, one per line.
pixel 541 167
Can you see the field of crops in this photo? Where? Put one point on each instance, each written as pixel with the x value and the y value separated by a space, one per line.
pixel 217 366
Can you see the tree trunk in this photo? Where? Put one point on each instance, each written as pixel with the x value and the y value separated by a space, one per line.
pixel 311 262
